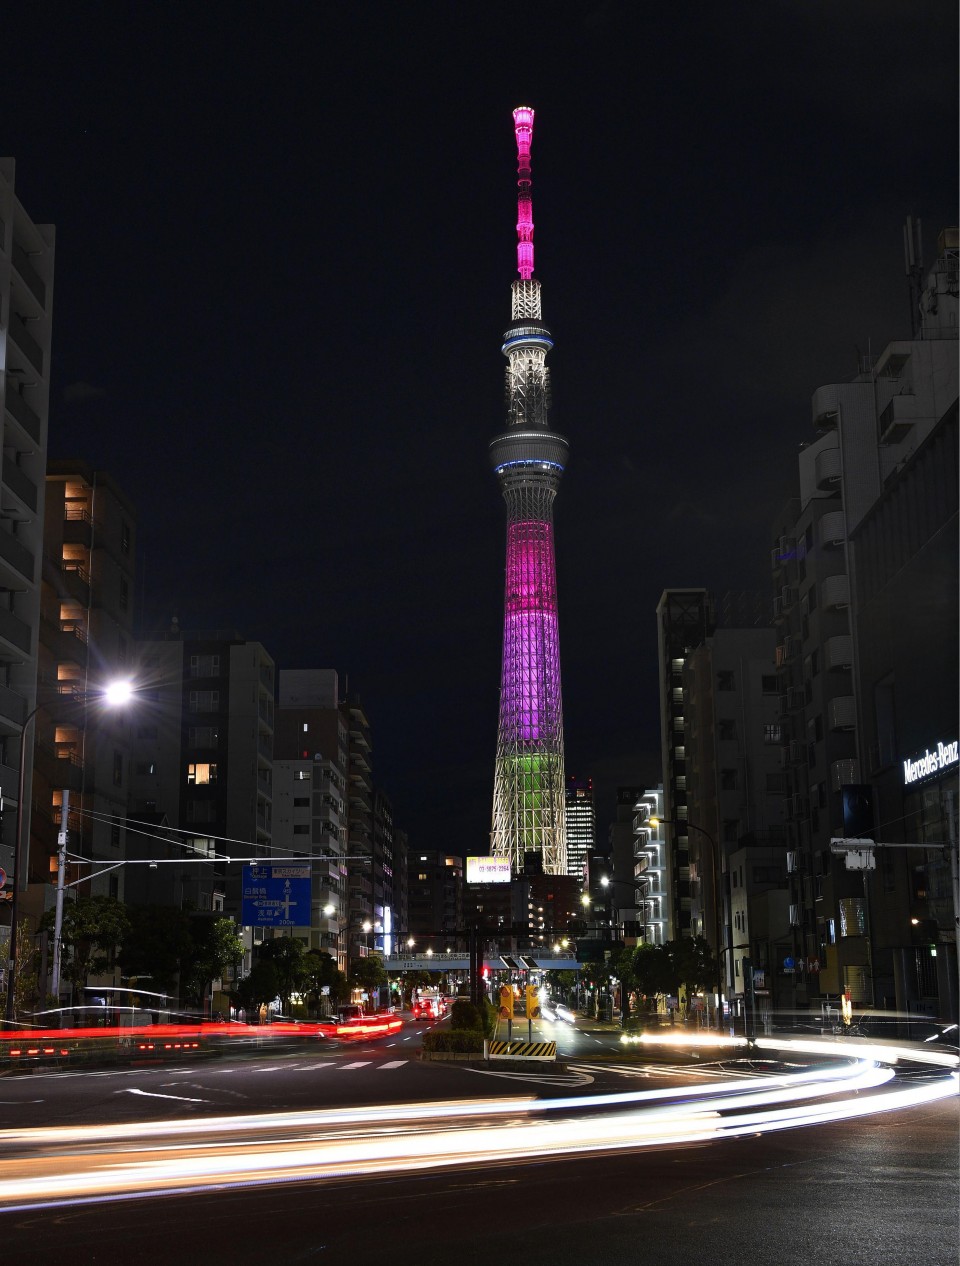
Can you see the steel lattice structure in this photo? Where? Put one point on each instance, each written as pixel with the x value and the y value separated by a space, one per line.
pixel 529 458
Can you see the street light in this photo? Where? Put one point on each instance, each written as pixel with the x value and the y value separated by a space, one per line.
pixel 656 821
pixel 114 693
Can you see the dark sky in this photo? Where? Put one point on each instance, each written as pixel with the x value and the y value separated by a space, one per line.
pixel 285 243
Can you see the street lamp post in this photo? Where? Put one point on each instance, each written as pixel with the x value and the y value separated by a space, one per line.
pixel 115 694
pixel 18 875
pixel 655 820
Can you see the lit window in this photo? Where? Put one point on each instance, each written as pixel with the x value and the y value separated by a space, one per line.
pixel 201 774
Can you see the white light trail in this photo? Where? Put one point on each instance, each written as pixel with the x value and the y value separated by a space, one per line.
pixel 47 1166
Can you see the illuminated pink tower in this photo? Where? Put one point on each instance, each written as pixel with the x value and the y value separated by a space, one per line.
pixel 528 789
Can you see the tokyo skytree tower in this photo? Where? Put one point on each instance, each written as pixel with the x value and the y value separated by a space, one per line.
pixel 528 789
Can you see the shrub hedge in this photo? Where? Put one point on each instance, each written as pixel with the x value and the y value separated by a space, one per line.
pixel 454 1041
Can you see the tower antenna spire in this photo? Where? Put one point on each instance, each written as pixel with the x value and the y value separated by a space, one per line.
pixel 523 130
pixel 528 459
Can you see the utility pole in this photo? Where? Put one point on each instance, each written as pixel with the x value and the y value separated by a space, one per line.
pixel 61 867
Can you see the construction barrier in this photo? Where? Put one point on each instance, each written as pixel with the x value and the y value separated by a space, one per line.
pixel 523 1050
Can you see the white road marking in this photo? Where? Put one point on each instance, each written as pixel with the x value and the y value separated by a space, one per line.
pixel 395 1063
pixel 360 1064
pixel 152 1094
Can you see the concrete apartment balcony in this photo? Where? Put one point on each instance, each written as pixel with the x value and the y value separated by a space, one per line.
pixel 14 555
pixel 15 637
pixel 20 484
pixel 29 275
pixel 832 529
pixel 842 713
pixel 835 592
pixel 22 413
pixel 78 526
pixel 838 652
pixel 828 469
pixel 76 580
pixel 825 406
pixel 843 773
pixel 25 341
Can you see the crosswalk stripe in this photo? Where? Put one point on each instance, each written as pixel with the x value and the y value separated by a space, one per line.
pixel 395 1063
pixel 361 1064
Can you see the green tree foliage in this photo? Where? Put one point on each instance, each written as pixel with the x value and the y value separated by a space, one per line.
pixel 155 946
pixel 26 993
pixel 287 955
pixel 92 929
pixel 464 1015
pixel 215 946
pixel 368 973
pixel 320 972
pixel 260 987
pixel 685 964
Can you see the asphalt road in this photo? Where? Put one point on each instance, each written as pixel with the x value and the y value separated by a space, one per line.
pixel 865 1193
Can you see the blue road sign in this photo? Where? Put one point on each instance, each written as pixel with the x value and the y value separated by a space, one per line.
pixel 276 896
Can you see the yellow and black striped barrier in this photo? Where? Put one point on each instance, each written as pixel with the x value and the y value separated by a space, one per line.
pixel 523 1050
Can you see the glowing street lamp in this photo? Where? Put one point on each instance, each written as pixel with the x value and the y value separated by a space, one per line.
pixel 116 693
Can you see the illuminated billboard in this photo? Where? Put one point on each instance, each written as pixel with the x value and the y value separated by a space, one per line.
pixel 488 870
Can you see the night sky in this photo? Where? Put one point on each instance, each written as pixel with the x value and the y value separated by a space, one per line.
pixel 285 244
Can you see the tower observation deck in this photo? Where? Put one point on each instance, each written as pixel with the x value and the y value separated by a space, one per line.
pixel 529 458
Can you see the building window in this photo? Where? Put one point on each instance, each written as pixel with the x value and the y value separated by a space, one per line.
pixel 773 733
pixel 124 537
pixel 769 685
pixel 301 802
pixel 146 768
pixel 725 680
pixel 202 736
pixel 301 830
pixel 201 811
pixel 204 700
pixel 728 780
pixel 201 774
pixel 204 665
pixel 302 775
pixel 727 729
pixel 117 769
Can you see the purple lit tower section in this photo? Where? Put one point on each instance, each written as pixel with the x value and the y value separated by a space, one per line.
pixel 528 792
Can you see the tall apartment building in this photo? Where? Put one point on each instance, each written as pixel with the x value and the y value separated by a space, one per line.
pixel 26 305
pixel 581 825
pixel 436 897
pixel 685 618
pixel 865 579
pixel 313 714
pixel 86 640
pixel 310 819
pixel 614 888
pixel 204 754
pixel 733 741
pixel 649 864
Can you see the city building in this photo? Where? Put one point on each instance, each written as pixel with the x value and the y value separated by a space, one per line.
pixel 734 782
pixel 529 458
pixel 614 890
pixel 310 819
pixel 581 821
pixel 685 619
pixel 83 746
pixel 865 575
pixel 313 716
pixel 435 887
pixel 649 864
pixel 203 756
pixel 26 306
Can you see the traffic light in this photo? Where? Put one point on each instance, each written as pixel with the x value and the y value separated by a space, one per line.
pixel 533 1002
pixel 506 1002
